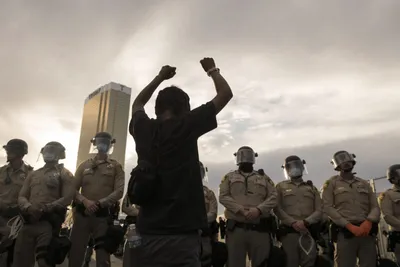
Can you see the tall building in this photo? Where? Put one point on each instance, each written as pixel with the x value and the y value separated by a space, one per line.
pixel 106 110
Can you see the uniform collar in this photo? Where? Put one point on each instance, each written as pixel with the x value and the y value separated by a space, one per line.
pixel 96 160
pixel 298 182
pixel 23 168
pixel 396 187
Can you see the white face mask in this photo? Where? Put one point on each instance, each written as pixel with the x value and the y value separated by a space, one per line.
pixel 102 148
pixel 49 157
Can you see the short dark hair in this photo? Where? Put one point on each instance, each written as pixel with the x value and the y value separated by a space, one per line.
pixel 173 99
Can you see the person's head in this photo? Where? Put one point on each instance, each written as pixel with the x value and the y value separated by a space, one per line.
pixel 294 168
pixel 245 158
pixel 172 102
pixel 102 142
pixel 393 174
pixel 52 152
pixel 343 161
pixel 16 149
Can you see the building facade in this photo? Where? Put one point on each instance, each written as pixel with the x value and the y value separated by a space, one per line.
pixel 106 110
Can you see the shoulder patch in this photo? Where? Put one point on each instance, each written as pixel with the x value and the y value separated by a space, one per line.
pixel 325 184
pixel 381 196
pixel 269 180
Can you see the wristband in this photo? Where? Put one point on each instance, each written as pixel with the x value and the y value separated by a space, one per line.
pixel 212 70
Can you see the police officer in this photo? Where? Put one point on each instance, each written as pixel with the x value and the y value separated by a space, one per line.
pixel 353 208
pixel 44 198
pixel 101 181
pixel 390 205
pixel 248 198
pixel 131 212
pixel 299 210
pixel 12 177
pixel 208 235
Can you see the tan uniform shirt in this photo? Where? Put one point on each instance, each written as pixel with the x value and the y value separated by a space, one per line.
pixel 100 180
pixel 349 201
pixel 128 208
pixel 390 207
pixel 50 185
pixel 211 204
pixel 11 182
pixel 298 201
pixel 240 190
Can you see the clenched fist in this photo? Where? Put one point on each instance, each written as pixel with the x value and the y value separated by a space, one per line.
pixel 207 63
pixel 167 72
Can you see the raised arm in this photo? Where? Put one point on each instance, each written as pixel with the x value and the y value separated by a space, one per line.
pixel 144 96
pixel 224 92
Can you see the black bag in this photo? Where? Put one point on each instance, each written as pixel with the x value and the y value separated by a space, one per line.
pixel 144 177
pixel 58 250
pixel 219 254
pixel 113 238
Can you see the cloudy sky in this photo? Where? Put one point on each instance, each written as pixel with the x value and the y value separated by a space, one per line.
pixel 309 77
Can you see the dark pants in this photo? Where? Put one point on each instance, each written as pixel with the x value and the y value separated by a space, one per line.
pixel 168 251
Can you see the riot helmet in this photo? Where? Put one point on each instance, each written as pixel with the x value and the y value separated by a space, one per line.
pixel 294 167
pixel 393 174
pixel 102 143
pixel 53 152
pixel 245 154
pixel 203 172
pixel 343 161
pixel 15 148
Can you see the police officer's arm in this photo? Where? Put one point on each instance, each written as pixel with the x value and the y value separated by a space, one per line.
pixel 128 208
pixel 78 183
pixel 119 184
pixel 24 193
pixel 374 213
pixel 285 218
pixel 212 213
pixel 271 201
pixel 68 191
pixel 387 211
pixel 316 216
pixel 328 200
pixel 225 197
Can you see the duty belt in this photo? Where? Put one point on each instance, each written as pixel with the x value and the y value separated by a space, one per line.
pixel 248 226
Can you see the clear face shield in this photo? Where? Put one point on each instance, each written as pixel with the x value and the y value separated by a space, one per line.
pixel 295 169
pixel 343 158
pixel 101 145
pixel 245 155
pixel 51 153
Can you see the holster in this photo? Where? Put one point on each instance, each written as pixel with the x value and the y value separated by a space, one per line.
pixel 393 238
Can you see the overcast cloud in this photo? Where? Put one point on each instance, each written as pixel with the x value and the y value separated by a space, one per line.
pixel 309 77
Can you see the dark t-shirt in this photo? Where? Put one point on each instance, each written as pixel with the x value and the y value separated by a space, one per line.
pixel 179 205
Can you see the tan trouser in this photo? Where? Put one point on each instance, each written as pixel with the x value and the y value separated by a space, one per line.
pixel 295 255
pixel 83 228
pixel 348 250
pixel 241 242
pixel 32 239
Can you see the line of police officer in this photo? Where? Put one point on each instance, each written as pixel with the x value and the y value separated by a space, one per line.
pixel 250 198
pixel 40 198
pixel 346 215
